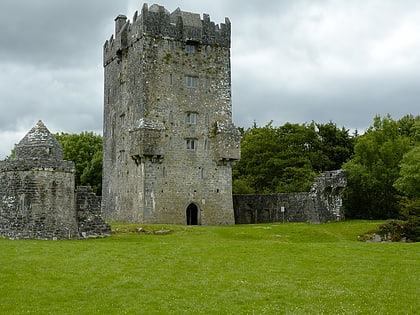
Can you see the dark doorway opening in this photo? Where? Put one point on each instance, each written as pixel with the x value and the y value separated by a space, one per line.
pixel 192 214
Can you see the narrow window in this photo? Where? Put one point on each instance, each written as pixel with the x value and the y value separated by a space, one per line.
pixel 171 79
pixel 207 120
pixel 191 118
pixel 206 145
pixel 191 82
pixel 122 156
pixel 191 144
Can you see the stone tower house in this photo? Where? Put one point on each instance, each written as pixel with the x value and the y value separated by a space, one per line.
pixel 169 141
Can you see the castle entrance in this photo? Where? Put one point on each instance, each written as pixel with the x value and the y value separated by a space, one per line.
pixel 192 214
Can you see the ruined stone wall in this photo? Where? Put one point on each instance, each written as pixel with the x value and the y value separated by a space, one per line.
pixel 252 209
pixel 322 203
pixel 168 135
pixel 88 209
pixel 37 200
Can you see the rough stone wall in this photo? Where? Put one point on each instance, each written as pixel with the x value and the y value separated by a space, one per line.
pixel 37 199
pixel 321 204
pixel 169 141
pixel 326 193
pixel 252 209
pixel 88 209
pixel 37 193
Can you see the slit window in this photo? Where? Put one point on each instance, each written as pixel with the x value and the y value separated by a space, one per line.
pixel 206 145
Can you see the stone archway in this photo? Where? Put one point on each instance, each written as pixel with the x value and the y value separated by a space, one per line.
pixel 192 214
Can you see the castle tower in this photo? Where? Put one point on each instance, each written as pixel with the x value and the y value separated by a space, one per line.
pixel 37 190
pixel 169 141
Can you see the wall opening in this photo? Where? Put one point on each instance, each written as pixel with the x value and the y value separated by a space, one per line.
pixel 192 214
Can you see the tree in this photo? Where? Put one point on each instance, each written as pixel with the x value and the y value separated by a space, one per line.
pixel 408 185
pixel 289 157
pixel 374 169
pixel 85 150
pixel 408 182
pixel 335 144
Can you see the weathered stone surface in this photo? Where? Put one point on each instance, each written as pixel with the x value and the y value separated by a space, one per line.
pixel 89 216
pixel 37 193
pixel 169 141
pixel 39 143
pixel 321 204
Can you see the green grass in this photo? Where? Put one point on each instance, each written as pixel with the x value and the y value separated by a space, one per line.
pixel 291 268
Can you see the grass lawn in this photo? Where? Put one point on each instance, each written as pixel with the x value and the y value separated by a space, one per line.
pixel 293 268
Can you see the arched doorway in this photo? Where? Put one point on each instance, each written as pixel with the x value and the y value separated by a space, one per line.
pixel 192 214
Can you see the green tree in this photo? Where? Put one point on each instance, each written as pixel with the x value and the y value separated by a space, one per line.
pixel 85 150
pixel 374 169
pixel 289 157
pixel 408 182
pixel 334 144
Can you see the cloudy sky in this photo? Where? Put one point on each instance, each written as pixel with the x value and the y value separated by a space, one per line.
pixel 292 61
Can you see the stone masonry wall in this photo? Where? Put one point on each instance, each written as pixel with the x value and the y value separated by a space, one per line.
pixel 37 202
pixel 321 204
pixel 88 208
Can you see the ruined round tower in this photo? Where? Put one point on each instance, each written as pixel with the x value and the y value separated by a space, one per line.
pixel 37 190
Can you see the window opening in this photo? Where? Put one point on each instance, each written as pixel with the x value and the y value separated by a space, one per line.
pixel 191 82
pixel 190 48
pixel 191 118
pixel 206 144
pixel 191 144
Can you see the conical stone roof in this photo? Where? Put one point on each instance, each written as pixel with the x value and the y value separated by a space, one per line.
pixel 39 143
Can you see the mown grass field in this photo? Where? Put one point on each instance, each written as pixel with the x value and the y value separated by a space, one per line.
pixel 291 268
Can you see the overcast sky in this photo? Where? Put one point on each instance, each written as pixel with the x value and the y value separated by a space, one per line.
pixel 292 61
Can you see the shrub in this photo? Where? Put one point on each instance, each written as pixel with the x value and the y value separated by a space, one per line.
pixel 397 230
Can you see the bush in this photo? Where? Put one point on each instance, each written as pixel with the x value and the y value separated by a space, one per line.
pixel 397 230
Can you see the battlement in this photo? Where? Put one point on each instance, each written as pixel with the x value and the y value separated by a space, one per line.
pixel 156 21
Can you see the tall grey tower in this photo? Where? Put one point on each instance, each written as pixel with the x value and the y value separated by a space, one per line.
pixel 169 141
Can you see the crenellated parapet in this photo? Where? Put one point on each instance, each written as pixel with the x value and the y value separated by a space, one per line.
pixel 156 21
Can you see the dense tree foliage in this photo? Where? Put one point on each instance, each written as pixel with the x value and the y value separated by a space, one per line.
pixel 85 150
pixel 289 157
pixel 408 182
pixel 374 171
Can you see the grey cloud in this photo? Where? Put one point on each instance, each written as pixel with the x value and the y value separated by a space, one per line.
pixel 292 60
pixel 54 33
